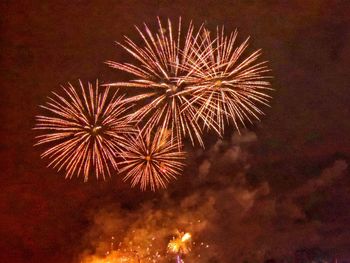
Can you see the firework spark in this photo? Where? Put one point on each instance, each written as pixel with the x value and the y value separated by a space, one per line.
pixel 85 131
pixel 180 245
pixel 152 161
pixel 163 64
pixel 226 85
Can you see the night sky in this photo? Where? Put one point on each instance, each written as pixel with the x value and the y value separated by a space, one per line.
pixel 279 191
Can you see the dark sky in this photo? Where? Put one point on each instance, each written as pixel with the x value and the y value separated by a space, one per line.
pixel 280 189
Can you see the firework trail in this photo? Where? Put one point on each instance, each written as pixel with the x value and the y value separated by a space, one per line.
pixel 164 61
pixel 152 161
pixel 226 85
pixel 84 130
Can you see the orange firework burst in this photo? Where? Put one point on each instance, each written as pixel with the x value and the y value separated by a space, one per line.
pixel 152 161
pixel 180 244
pixel 162 70
pixel 85 131
pixel 226 85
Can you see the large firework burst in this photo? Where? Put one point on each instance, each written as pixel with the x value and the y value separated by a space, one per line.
pixel 85 131
pixel 227 87
pixel 163 64
pixel 152 160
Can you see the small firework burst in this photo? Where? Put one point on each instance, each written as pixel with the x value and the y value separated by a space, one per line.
pixel 84 130
pixel 227 87
pixel 152 161
pixel 180 244
pixel 163 66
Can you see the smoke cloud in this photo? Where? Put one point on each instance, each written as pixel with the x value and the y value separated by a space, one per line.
pixel 230 218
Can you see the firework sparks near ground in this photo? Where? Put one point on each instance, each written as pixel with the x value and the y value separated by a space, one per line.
pixel 126 252
pixel 144 233
pixel 85 131
pixel 152 160
pixel 115 256
pixel 142 249
pixel 164 61
pixel 180 245
pixel 227 86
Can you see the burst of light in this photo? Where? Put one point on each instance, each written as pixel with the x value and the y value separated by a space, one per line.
pixel 227 86
pixel 84 131
pixel 186 237
pixel 180 244
pixel 152 160
pixel 163 64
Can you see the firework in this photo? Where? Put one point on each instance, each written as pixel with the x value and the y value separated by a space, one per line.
pixel 227 87
pixel 180 245
pixel 163 66
pixel 152 161
pixel 84 130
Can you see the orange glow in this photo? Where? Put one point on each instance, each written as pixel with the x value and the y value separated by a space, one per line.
pixel 113 257
pixel 180 244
